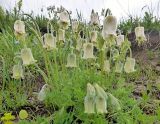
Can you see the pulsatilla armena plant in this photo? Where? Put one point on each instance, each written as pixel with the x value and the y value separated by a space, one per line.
pixel 75 25
pixel 119 67
pixel 120 39
pixel 109 27
pixel 42 93
pixel 19 27
pixel 129 65
pixel 94 37
pixel 88 51
pixel 27 57
pixel 19 30
pixel 79 44
pixel 97 99
pixel 140 36
pixel 61 35
pixel 100 100
pixel 49 41
pixel 17 71
pixel 95 18
pixel 82 60
pixel 89 101
pixel 71 60
pixel 64 19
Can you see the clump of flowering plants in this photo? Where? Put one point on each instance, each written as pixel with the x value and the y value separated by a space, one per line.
pixel 53 69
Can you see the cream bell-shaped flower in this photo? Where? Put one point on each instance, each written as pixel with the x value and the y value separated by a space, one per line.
pixel 49 41
pixel 27 56
pixel 140 36
pixel 61 35
pixel 129 65
pixel 120 39
pixel 109 27
pixel 64 19
pixel 79 44
pixel 71 60
pixel 106 66
pixel 17 72
pixel 88 51
pixel 19 27
pixel 100 100
pixel 94 36
pixel 114 102
pixel 75 25
pixel 89 100
pixel 119 67
pixel 95 18
pixel 42 94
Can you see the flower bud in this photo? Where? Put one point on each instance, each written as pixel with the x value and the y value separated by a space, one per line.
pixel 120 39
pixel 129 65
pixel 49 41
pixel 106 66
pixel 88 51
pixel 42 94
pixel 71 60
pixel 95 18
pixel 109 27
pixel 17 72
pixel 27 56
pixel 89 101
pixel 140 36
pixel 75 25
pixel 94 36
pixel 61 35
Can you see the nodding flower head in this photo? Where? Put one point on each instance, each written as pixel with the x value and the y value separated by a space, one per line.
pixel 71 60
pixel 61 35
pixel 49 41
pixel 64 19
pixel 106 66
pixel 120 39
pixel 27 56
pixel 109 27
pixel 75 25
pixel 89 101
pixel 119 67
pixel 95 18
pixel 42 94
pixel 114 102
pixel 140 36
pixel 101 100
pixel 129 65
pixel 94 36
pixel 90 90
pixel 19 27
pixel 88 51
pixel 79 44
pixel 17 72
